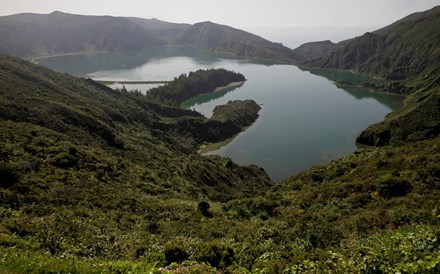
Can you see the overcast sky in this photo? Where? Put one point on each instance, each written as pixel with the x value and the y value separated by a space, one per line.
pixel 237 13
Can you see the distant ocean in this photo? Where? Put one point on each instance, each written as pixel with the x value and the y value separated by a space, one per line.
pixel 293 37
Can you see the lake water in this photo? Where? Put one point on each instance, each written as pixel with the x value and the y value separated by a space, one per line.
pixel 305 119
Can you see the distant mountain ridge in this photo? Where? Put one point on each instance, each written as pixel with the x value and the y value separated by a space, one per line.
pixel 32 35
pixel 406 52
pixel 28 35
pixel 406 48
pixel 223 38
pixel 313 50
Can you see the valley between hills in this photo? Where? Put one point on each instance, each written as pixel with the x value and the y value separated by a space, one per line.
pixel 96 180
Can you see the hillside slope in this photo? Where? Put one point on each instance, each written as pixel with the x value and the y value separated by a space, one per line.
pixel 95 180
pixel 221 38
pixel 405 49
pixel 165 31
pixel 28 35
pixel 314 50
pixel 93 114
pixel 33 35
pixel 408 53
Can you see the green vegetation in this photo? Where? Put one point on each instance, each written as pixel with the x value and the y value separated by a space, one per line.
pixel 94 180
pixel 405 49
pixel 195 83
pixel 35 35
pixel 32 35
pixel 314 50
pixel 419 119
pixel 221 38
pixel 406 53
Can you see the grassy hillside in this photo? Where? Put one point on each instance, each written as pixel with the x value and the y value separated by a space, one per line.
pixel 34 35
pixel 95 180
pixel 313 50
pixel 163 30
pixel 29 35
pixel 407 54
pixel 221 38
pixel 405 49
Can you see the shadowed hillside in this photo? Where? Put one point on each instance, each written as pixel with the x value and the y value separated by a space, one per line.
pixel 406 52
pixel 223 38
pixel 28 35
pixel 405 49
pixel 32 35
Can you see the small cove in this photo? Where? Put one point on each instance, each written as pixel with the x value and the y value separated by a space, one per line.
pixel 305 120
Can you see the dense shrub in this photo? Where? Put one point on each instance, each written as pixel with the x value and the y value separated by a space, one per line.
pixel 217 254
pixel 195 83
pixel 203 208
pixel 175 253
pixel 65 160
pixel 8 175
pixel 322 235
pixel 390 187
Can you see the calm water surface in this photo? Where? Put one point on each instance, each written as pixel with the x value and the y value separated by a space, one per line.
pixel 305 119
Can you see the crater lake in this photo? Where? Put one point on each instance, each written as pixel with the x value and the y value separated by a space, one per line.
pixel 305 119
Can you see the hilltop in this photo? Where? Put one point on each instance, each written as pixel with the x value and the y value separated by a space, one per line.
pixel 405 49
pixel 221 38
pixel 32 35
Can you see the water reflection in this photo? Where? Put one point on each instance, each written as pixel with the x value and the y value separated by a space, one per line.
pixel 305 120
pixel 208 97
pixel 390 100
pixel 83 64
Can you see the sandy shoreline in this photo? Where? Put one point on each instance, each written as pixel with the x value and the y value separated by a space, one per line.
pixel 36 58
pixel 230 85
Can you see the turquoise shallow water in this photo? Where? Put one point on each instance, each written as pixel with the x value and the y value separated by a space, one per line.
pixel 305 119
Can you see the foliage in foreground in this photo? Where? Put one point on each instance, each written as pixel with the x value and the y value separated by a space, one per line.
pixel 408 250
pixel 119 192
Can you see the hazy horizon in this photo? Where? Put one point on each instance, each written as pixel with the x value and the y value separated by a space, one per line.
pixel 257 13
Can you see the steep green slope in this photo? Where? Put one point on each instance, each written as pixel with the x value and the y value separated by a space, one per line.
pixel 74 200
pixel 33 35
pixel 98 173
pixel 221 38
pixel 81 208
pixel 408 53
pixel 91 113
pixel 405 49
pixel 29 35
pixel 164 30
